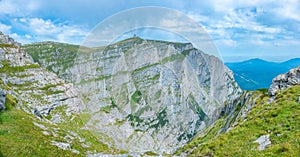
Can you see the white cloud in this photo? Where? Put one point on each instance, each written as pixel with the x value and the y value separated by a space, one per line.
pixel 27 36
pixel 5 28
pixel 287 9
pixel 40 26
pixel 227 42
pixel 241 25
pixel 20 38
pixel 229 5
pixel 254 22
pixel 290 9
pixel 41 30
pixel 245 19
pixel 198 17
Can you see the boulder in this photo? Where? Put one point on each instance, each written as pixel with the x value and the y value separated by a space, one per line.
pixel 263 141
pixel 2 100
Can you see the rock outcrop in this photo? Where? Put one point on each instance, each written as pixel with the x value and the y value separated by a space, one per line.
pixel 2 100
pixel 145 95
pixel 37 89
pixel 263 141
pixel 284 81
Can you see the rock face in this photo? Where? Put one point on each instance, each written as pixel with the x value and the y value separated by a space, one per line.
pixel 38 89
pixel 56 57
pixel 263 141
pixel 2 100
pixel 284 81
pixel 146 95
pixel 237 111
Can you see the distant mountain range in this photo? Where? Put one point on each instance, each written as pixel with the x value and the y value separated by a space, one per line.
pixel 257 73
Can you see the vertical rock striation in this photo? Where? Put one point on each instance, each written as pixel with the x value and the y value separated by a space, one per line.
pixel 147 95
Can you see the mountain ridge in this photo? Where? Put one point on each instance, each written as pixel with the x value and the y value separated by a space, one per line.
pixel 258 73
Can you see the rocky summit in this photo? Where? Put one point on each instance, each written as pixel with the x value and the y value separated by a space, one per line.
pixel 144 95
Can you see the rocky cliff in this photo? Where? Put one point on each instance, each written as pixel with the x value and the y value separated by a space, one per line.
pixel 145 95
pixel 40 90
pixel 39 112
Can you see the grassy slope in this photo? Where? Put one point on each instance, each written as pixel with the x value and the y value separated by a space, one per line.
pixel 56 57
pixel 280 119
pixel 20 137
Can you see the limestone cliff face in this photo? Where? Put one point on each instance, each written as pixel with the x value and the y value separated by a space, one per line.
pixel 146 95
pixel 39 90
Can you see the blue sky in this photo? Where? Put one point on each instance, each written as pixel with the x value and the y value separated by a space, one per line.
pixel 241 29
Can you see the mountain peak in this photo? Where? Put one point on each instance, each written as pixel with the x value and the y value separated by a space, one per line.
pixel 139 40
pixel 255 60
pixel 129 40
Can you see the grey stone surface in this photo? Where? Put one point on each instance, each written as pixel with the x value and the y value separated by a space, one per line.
pixel 2 100
pixel 180 90
pixel 263 141
pixel 40 89
pixel 62 145
pixel 284 81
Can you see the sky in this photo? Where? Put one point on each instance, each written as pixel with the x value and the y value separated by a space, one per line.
pixel 267 29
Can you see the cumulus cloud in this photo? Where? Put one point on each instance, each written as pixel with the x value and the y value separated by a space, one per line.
pixel 21 38
pixel 240 25
pixel 45 29
pixel 5 28
pixel 290 10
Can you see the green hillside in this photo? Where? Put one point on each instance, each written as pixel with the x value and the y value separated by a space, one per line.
pixel 280 119
pixel 20 136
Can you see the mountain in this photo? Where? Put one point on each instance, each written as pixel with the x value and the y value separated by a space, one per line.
pixel 139 97
pixel 291 63
pixel 143 95
pixel 257 73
